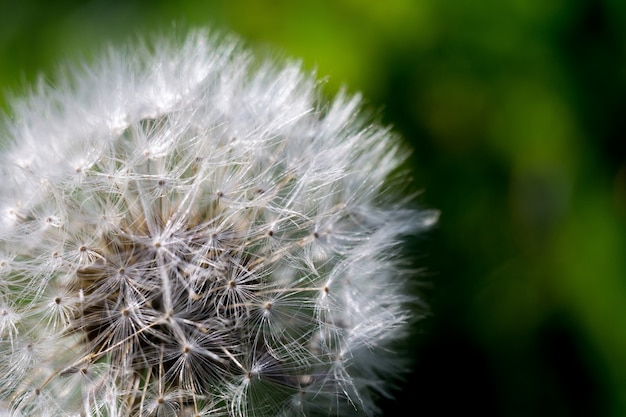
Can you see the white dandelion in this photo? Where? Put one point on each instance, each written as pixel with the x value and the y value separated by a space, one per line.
pixel 186 231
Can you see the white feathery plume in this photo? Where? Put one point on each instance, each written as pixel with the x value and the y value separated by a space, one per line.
pixel 186 231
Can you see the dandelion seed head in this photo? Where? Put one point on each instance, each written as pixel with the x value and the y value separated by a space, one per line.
pixel 187 231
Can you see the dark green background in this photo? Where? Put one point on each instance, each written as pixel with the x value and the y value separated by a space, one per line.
pixel 514 109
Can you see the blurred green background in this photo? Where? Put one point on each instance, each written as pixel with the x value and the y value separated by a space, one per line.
pixel 514 111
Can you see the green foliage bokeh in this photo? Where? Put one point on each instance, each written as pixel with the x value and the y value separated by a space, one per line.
pixel 513 110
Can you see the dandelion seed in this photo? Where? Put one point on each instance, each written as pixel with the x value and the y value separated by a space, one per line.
pixel 186 232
